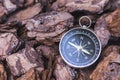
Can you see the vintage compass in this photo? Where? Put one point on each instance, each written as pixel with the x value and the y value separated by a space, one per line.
pixel 80 47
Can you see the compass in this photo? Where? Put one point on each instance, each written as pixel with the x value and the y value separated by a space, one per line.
pixel 80 47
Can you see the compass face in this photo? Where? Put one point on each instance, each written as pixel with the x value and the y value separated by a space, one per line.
pixel 80 48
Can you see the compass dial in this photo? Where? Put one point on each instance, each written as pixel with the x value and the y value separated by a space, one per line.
pixel 80 47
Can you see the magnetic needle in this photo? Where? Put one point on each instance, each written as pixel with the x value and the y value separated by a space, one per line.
pixel 80 47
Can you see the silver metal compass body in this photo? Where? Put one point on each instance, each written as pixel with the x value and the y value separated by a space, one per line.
pixel 80 47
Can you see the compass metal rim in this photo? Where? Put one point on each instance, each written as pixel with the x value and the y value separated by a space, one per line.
pixel 87 64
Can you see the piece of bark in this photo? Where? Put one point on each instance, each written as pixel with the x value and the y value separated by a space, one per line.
pixel 49 54
pixel 32 74
pixel 49 61
pixel 8 42
pixel 3 12
pixel 47 4
pixel 109 49
pixel 26 13
pixel 102 31
pixel 46 26
pixel 32 43
pixel 49 22
pixel 3 75
pixel 93 6
pixel 46 51
pixel 10 77
pixel 22 3
pixel 63 71
pixel 109 68
pixel 112 5
pixel 113 22
pixel 47 74
pixel 12 5
pixel 84 74
pixel 9 5
pixel 51 41
pixel 23 60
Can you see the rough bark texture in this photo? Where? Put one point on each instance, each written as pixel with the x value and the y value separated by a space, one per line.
pixel 31 12
pixel 113 21
pixel 112 5
pixel 12 5
pixel 108 25
pixel 32 74
pixel 102 31
pixel 46 26
pixel 23 60
pixel 8 42
pixel 3 75
pixel 30 32
pixel 109 68
pixel 94 6
pixel 84 74
pixel 46 51
pixel 63 71
pixel 3 11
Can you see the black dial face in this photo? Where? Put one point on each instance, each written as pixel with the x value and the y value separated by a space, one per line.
pixel 80 47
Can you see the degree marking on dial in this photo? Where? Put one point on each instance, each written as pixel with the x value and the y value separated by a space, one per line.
pixel 86 57
pixel 77 31
pixel 86 45
pixel 89 43
pixel 91 50
pixel 73 40
pixel 77 59
pixel 96 43
pixel 93 38
pixel 81 38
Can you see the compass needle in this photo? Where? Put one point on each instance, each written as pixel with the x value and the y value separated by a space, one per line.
pixel 73 45
pixel 85 51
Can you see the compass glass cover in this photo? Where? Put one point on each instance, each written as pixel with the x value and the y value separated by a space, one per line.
pixel 80 47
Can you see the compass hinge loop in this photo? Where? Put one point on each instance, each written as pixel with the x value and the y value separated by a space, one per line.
pixel 85 26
